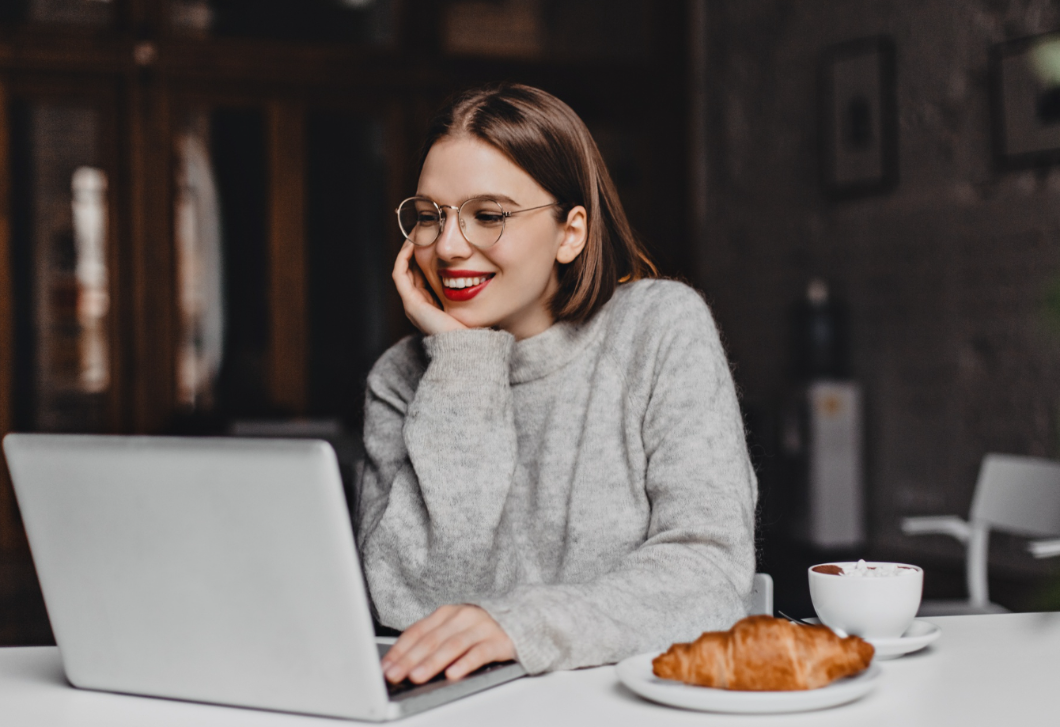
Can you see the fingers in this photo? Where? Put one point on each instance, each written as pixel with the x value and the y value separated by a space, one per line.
pixel 421 306
pixel 478 656
pixel 404 276
pixel 419 280
pixel 462 638
pixel 424 647
pixel 446 653
pixel 411 636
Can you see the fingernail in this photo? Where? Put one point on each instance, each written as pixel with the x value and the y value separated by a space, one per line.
pixel 392 673
pixel 418 674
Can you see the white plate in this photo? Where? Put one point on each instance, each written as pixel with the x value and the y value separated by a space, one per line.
pixel 919 634
pixel 636 673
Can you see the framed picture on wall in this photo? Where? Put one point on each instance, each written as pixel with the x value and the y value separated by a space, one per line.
pixel 1025 101
pixel 859 119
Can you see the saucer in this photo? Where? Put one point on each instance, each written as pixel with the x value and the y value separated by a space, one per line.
pixel 919 634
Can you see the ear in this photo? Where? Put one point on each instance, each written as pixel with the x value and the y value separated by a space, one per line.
pixel 575 233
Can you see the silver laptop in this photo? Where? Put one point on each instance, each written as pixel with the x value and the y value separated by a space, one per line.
pixel 211 570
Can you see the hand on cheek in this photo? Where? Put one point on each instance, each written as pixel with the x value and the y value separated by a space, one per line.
pixel 419 303
pixel 457 639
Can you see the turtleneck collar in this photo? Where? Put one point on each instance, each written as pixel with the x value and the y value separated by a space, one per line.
pixel 540 355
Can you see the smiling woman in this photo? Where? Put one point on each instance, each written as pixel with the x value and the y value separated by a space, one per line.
pixel 556 469
pixel 490 274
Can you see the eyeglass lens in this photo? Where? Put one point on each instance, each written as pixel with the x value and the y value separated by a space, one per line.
pixel 481 221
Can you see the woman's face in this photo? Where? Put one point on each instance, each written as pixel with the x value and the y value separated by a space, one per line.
pixel 519 270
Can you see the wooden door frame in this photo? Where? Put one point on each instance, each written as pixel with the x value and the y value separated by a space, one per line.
pixel 148 191
pixel 9 531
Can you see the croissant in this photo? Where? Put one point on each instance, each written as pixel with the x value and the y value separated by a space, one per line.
pixel 762 653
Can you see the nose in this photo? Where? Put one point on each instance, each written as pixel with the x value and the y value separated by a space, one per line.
pixel 451 244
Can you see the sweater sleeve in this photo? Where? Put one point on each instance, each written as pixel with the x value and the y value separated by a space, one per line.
pixel 694 571
pixel 440 456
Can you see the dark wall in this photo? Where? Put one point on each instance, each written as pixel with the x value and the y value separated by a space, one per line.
pixel 945 277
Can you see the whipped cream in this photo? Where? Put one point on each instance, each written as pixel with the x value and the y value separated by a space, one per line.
pixel 880 570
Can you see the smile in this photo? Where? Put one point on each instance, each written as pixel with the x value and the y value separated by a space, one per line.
pixel 459 285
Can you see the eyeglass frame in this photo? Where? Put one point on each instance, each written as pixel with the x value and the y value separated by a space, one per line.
pixel 443 218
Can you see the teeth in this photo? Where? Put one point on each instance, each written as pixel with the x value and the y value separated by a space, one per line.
pixel 459 283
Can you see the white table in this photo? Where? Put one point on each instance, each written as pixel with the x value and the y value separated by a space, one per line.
pixel 984 670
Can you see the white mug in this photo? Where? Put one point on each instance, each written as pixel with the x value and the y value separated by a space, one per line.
pixel 870 606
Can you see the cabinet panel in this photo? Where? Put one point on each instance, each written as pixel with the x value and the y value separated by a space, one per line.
pixel 221 245
pixel 283 261
pixel 61 250
pixel 196 198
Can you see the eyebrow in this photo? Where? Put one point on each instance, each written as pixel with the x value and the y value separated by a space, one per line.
pixel 495 197
pixel 503 198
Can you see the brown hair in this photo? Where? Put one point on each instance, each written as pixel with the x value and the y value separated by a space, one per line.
pixel 544 137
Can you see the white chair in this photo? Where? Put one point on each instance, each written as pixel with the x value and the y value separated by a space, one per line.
pixel 1019 495
pixel 761 595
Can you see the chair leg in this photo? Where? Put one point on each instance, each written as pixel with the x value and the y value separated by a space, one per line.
pixel 976 565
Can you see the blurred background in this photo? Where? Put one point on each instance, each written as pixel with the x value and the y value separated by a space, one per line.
pixel 197 230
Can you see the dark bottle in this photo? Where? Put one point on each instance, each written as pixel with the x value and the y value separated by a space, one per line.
pixel 820 345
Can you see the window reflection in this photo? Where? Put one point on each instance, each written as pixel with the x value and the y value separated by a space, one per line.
pixel 220 233
pixel 199 269
pixel 89 187
pixel 60 250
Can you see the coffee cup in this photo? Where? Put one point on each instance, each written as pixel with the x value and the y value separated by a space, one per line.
pixel 870 600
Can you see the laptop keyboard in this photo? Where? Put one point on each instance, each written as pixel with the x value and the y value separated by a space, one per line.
pixel 405 686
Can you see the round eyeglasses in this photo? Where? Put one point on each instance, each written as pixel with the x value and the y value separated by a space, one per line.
pixel 481 220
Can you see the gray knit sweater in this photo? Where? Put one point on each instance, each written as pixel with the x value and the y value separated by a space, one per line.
pixel 589 487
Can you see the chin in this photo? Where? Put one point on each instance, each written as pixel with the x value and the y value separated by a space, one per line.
pixel 471 320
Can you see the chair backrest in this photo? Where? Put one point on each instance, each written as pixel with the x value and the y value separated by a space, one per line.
pixel 761 595
pixel 1018 494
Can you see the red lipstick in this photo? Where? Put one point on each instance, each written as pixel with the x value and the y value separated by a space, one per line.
pixel 462 294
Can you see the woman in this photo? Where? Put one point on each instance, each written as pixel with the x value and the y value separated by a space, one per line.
pixel 556 469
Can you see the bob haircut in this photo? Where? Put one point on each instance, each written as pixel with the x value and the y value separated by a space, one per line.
pixel 545 138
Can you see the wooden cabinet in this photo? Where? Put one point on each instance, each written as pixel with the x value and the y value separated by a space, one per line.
pixel 196 196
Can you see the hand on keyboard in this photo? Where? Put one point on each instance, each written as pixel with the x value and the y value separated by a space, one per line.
pixel 456 639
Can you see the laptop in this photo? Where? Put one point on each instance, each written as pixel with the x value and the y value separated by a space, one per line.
pixel 216 570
